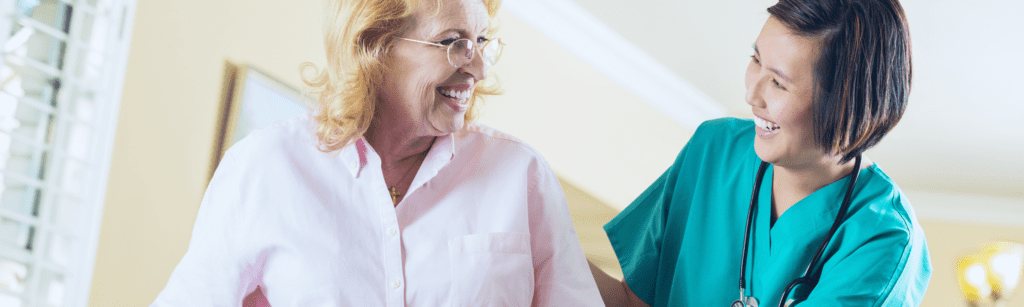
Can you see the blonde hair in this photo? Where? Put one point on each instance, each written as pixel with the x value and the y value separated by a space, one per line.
pixel 357 36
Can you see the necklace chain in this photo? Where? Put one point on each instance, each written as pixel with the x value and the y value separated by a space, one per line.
pixel 393 190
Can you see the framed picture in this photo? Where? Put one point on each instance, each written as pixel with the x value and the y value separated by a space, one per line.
pixel 252 100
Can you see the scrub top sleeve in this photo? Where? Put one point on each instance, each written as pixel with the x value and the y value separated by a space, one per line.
pixel 636 236
pixel 891 269
pixel 561 274
pixel 211 273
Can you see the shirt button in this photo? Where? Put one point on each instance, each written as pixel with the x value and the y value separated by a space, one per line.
pixel 392 232
pixel 395 283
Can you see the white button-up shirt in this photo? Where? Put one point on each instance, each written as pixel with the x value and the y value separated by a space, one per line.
pixel 484 223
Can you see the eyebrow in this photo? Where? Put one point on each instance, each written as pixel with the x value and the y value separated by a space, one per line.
pixel 459 31
pixel 773 69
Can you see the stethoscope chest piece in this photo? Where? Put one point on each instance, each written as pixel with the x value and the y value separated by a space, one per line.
pixel 751 302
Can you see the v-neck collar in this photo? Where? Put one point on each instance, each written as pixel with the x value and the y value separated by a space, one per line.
pixel 808 218
pixel 811 215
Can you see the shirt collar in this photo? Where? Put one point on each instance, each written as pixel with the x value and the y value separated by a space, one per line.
pixel 441 153
pixel 355 157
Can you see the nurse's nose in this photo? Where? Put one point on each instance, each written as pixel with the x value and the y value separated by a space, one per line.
pixel 754 88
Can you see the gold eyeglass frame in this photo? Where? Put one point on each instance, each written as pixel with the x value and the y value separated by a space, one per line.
pixel 448 50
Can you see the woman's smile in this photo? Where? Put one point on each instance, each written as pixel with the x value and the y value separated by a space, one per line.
pixel 422 86
pixel 456 96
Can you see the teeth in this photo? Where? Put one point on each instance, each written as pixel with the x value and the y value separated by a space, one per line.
pixel 764 124
pixel 456 94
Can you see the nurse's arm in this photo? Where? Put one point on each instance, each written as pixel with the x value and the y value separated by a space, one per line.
pixel 614 292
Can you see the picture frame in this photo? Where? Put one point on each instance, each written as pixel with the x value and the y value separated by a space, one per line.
pixel 252 99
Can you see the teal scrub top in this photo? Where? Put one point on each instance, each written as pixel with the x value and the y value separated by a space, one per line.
pixel 679 243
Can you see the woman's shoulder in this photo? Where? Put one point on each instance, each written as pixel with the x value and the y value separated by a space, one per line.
pixel 279 141
pixel 481 132
pixel 488 141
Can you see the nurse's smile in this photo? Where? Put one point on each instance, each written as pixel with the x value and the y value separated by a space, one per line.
pixel 780 91
pixel 766 128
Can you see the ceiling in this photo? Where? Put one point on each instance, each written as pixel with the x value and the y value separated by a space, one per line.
pixel 962 131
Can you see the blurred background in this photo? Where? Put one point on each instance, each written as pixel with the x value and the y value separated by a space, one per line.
pixel 110 113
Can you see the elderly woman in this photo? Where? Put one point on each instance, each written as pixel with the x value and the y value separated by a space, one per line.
pixel 389 195
pixel 822 226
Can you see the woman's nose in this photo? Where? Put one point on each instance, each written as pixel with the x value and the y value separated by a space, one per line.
pixel 475 67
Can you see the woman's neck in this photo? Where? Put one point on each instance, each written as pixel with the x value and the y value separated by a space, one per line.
pixel 790 184
pixel 396 144
pixel 401 152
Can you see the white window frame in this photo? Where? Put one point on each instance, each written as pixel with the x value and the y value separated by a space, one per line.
pixel 108 91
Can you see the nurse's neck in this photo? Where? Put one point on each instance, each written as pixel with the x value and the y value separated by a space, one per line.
pixel 792 183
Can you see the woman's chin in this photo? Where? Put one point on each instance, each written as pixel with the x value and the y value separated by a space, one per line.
pixel 448 125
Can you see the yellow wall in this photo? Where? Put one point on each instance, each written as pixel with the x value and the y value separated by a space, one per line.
pixel 165 130
pixel 169 108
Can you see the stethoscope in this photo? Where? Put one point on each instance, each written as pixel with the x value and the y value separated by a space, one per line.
pixel 809 278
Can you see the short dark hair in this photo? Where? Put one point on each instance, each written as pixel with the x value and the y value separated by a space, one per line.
pixel 862 76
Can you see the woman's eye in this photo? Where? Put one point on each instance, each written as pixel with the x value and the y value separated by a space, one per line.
pixel 481 40
pixel 448 41
pixel 755 60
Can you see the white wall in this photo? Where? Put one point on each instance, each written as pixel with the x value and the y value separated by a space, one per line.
pixel 595 133
pixel 961 130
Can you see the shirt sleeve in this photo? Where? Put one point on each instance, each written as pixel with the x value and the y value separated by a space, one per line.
pixel 891 268
pixel 212 273
pixel 646 241
pixel 636 236
pixel 561 274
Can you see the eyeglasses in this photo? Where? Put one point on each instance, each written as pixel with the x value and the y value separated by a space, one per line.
pixel 461 51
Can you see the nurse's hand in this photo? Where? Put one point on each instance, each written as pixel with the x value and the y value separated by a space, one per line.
pixel 614 292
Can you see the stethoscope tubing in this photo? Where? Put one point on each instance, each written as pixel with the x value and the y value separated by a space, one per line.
pixel 809 277
pixel 746 232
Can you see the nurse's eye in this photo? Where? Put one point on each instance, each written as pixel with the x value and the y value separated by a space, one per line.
pixel 755 59
pixel 776 82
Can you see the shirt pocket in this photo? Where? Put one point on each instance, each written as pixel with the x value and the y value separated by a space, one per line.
pixel 491 269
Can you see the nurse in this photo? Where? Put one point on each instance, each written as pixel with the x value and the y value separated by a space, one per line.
pixel 826 81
